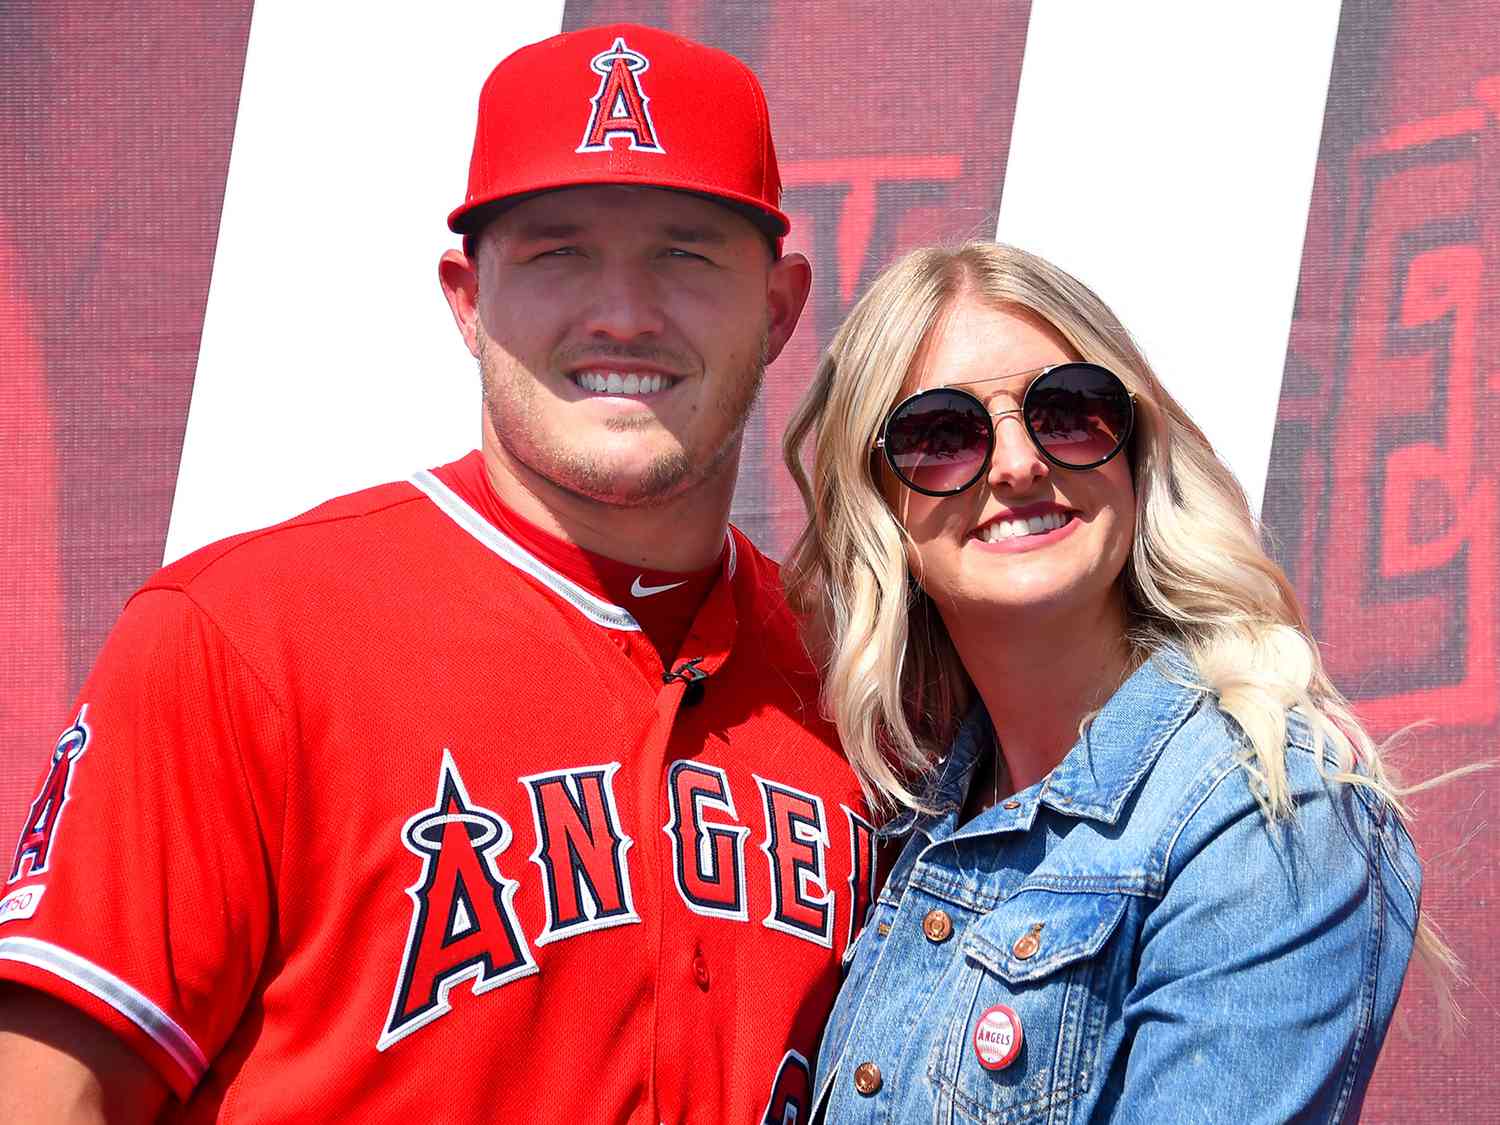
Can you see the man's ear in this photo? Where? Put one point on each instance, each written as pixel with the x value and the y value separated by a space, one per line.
pixel 458 274
pixel 787 286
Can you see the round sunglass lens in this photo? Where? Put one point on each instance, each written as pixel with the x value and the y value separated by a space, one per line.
pixel 939 441
pixel 1080 414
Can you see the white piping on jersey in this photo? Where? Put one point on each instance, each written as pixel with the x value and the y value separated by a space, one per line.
pixel 458 510
pixel 596 609
pixel 113 991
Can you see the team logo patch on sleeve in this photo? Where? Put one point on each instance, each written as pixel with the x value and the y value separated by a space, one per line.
pixel 21 903
pixel 620 107
pixel 39 833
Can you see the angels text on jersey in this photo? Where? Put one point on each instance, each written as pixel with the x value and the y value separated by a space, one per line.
pixel 770 837
pixel 464 925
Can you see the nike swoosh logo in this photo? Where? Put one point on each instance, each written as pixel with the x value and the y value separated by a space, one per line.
pixel 639 591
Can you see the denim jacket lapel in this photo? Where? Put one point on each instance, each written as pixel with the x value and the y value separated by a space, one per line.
pixel 1122 742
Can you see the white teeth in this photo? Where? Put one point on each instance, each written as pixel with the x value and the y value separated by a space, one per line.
pixel 1016 528
pixel 613 383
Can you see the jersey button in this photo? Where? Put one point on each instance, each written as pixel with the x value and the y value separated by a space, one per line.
pixel 700 971
pixel 937 926
pixel 867 1078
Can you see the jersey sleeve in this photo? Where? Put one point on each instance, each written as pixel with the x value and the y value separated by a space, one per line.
pixel 141 888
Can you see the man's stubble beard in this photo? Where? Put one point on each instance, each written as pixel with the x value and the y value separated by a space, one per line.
pixel 511 402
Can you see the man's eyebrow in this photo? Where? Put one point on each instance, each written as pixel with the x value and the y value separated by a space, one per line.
pixel 704 235
pixel 541 228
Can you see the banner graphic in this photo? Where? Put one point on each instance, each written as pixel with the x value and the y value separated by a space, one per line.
pixel 1382 490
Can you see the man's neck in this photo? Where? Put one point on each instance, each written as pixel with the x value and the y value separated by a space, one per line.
pixel 683 534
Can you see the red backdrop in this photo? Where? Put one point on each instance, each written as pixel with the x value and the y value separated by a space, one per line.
pixel 1382 489
pixel 115 128
pixel 115 131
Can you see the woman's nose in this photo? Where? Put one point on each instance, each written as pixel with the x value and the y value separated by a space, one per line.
pixel 1016 463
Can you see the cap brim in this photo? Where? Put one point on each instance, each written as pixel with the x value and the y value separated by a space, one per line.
pixel 471 216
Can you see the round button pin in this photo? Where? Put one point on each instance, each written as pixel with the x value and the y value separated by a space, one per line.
pixel 997 1037
pixel 867 1079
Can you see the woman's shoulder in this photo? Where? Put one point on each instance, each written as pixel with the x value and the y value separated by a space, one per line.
pixel 1205 777
pixel 1207 801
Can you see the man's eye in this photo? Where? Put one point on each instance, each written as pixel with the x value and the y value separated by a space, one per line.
pixel 679 252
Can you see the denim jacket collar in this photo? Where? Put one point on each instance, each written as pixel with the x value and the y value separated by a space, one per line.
pixel 1119 747
pixel 946 788
pixel 1103 769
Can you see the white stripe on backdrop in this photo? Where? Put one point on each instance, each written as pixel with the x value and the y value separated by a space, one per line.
pixel 1164 153
pixel 329 360
pixel 1150 155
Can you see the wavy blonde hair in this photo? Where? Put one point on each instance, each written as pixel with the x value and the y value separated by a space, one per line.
pixel 1197 576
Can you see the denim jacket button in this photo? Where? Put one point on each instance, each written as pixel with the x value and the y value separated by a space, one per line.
pixel 937 926
pixel 867 1078
pixel 1028 944
pixel 1011 805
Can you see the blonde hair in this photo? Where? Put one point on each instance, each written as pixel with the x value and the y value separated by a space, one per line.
pixel 1197 576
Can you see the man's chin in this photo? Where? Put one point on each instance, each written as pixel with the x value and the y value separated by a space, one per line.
pixel 632 482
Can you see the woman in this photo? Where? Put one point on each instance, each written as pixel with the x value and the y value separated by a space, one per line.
pixel 1153 869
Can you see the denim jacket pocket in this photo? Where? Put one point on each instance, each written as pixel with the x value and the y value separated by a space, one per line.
pixel 1047 956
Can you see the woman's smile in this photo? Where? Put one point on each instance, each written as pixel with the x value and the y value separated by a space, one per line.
pixel 1025 529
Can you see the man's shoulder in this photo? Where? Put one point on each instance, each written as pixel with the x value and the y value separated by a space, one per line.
pixel 757 573
pixel 329 536
pixel 759 594
pixel 769 651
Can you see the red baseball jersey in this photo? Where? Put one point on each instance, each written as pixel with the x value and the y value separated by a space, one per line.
pixel 374 816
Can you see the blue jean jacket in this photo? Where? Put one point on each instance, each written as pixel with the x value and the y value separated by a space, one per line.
pixel 1167 954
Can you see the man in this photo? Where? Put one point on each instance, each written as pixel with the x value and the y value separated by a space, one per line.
pixel 499 794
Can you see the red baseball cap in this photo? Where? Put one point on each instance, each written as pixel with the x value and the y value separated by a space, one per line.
pixel 623 104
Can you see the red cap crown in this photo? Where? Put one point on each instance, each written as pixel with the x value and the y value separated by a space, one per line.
pixel 623 105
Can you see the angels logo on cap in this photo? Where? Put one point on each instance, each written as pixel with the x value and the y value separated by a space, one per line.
pixel 717 129
pixel 620 105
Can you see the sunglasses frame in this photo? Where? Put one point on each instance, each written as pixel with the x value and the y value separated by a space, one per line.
pixel 1038 373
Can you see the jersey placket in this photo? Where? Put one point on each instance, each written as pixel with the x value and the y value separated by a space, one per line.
pixel 705 651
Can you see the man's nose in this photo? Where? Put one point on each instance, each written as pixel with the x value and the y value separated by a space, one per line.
pixel 625 303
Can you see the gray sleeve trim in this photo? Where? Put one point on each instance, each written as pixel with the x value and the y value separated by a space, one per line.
pixel 113 991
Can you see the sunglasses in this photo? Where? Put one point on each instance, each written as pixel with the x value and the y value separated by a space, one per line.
pixel 939 441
